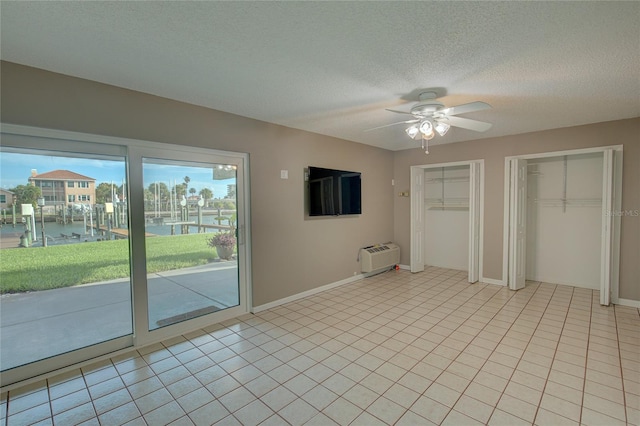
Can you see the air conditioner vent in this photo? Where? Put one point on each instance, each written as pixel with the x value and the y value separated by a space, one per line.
pixel 380 256
pixel 377 249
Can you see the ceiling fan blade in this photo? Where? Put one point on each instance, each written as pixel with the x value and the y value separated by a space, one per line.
pixel 392 124
pixel 467 123
pixel 397 111
pixel 465 108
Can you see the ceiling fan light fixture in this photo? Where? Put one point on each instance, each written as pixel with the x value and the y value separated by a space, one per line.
pixel 430 116
pixel 442 128
pixel 413 131
pixel 426 128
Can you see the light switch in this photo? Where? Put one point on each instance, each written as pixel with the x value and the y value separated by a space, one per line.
pixel 284 174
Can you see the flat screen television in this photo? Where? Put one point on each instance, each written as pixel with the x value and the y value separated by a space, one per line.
pixel 334 192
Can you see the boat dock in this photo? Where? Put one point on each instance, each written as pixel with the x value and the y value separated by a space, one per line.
pixel 185 226
pixel 121 233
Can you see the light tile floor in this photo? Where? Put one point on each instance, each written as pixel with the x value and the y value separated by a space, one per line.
pixel 398 348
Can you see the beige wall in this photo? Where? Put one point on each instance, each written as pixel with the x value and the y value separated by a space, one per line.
pixel 494 151
pixel 290 254
pixel 90 191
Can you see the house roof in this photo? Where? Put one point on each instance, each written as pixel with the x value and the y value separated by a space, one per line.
pixel 334 67
pixel 61 175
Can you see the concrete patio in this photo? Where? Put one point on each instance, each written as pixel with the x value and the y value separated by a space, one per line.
pixel 41 324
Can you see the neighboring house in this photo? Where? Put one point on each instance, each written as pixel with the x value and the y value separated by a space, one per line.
pixel 64 187
pixel 6 199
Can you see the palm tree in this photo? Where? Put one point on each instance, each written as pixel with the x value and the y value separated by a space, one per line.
pixel 186 179
pixel 179 191
pixel 206 195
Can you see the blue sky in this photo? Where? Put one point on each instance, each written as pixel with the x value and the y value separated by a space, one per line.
pixel 15 169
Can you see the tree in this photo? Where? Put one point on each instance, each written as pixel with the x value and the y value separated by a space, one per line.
pixel 206 195
pixel 179 190
pixel 161 189
pixel 192 191
pixel 26 194
pixel 149 200
pixel 103 193
pixel 186 179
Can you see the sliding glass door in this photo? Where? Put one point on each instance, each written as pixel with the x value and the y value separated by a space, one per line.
pixel 66 281
pixel 191 245
pixel 108 244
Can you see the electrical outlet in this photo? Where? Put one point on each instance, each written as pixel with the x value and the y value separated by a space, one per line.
pixel 284 174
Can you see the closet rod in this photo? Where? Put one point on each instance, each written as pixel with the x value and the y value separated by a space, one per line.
pixel 452 200
pixel 448 179
pixel 564 202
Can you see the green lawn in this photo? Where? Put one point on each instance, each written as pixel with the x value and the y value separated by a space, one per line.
pixel 42 268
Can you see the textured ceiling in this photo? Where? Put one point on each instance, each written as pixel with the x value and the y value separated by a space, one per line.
pixel 333 67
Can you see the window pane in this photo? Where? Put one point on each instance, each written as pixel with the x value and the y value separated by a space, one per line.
pixel 187 205
pixel 65 269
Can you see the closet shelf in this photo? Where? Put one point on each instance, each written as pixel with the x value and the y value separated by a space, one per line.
pixel 449 207
pixel 448 200
pixel 447 203
pixel 447 179
pixel 566 202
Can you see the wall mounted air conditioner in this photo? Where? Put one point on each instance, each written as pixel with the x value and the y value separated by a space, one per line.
pixel 380 256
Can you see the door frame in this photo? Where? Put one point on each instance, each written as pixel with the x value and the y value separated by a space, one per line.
pixel 33 137
pixel 518 223
pixel 611 202
pixel 476 215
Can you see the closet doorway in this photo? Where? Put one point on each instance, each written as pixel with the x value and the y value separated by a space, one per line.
pixel 446 209
pixel 560 226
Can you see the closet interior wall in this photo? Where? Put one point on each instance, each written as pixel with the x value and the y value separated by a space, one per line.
pixel 446 219
pixel 564 219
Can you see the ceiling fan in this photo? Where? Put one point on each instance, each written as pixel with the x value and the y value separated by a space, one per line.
pixel 430 116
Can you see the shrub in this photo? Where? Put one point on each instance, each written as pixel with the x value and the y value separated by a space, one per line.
pixel 222 239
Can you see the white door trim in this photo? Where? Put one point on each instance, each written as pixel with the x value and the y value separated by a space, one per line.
pixel 611 204
pixel 417 220
pixel 475 211
pixel 417 215
pixel 518 223
pixel 607 226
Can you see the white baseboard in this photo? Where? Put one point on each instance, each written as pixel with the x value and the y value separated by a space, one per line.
pixel 595 286
pixel 628 302
pixel 307 293
pixel 275 303
pixel 492 281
